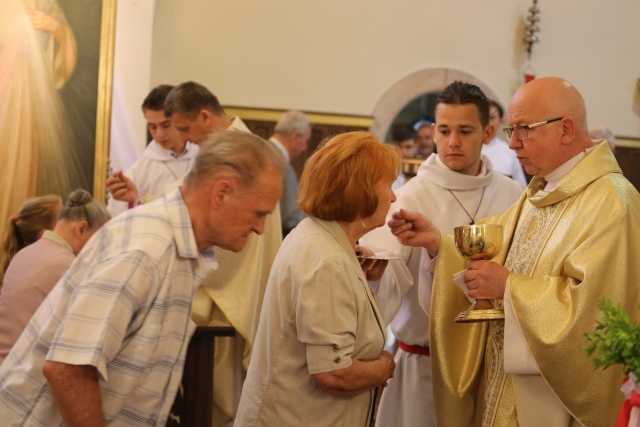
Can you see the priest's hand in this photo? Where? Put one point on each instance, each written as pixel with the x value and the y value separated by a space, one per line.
pixel 486 280
pixel 122 188
pixel 415 229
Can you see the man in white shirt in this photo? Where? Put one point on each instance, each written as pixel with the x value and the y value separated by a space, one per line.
pixel 291 136
pixel 504 159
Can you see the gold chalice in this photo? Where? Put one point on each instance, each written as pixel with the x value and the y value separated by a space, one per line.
pixel 474 242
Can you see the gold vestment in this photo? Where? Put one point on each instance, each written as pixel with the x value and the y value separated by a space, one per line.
pixel 570 247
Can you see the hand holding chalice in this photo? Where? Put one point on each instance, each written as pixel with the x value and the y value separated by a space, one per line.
pixel 479 242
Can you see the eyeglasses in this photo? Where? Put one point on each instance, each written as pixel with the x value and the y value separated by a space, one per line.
pixel 521 131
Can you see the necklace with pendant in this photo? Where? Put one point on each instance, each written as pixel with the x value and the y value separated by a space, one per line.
pixel 472 218
pixel 175 176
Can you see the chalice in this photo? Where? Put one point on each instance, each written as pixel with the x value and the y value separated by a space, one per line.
pixel 479 242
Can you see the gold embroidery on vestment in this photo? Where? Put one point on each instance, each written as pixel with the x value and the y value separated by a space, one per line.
pixel 528 242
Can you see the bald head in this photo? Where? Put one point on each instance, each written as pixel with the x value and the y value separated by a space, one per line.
pixel 553 97
pixel 546 99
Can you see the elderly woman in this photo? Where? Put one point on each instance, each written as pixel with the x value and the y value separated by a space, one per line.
pixel 35 269
pixel 318 357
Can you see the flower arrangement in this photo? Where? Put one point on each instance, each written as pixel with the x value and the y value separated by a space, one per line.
pixel 617 341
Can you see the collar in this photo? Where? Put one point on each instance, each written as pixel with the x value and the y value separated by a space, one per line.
pixel 238 124
pixel 280 148
pixel 180 220
pixel 591 164
pixel 58 239
pixel 554 177
pixel 435 170
pixel 154 151
pixel 338 233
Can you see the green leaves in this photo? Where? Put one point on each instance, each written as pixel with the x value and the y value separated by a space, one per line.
pixel 616 339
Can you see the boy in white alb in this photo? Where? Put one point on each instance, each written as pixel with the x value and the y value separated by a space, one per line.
pixel 166 159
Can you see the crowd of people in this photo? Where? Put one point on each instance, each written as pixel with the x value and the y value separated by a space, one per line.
pixel 211 226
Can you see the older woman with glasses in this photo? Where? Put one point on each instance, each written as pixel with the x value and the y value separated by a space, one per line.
pixel 318 357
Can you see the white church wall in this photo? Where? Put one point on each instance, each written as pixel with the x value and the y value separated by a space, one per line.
pixel 342 56
pixel 132 79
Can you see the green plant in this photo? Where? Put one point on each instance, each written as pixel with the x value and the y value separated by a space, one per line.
pixel 616 339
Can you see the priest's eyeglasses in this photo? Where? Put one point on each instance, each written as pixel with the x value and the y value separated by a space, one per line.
pixel 521 131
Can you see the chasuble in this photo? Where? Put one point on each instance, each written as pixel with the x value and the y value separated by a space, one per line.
pixel 566 249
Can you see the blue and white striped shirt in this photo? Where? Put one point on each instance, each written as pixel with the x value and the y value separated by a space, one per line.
pixel 124 307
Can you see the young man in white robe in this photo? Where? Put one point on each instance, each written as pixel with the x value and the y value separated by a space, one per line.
pixel 166 158
pixel 455 186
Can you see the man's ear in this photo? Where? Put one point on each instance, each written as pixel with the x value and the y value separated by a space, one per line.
pixel 489 131
pixel 568 130
pixel 221 190
pixel 205 115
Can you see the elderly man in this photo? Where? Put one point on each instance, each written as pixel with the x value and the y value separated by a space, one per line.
pixel 108 344
pixel 404 137
pixel 232 295
pixel 425 145
pixel 291 136
pixel 455 186
pixel 569 241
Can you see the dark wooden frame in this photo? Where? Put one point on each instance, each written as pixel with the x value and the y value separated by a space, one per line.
pixel 195 407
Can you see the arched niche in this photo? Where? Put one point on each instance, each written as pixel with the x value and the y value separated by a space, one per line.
pixel 415 85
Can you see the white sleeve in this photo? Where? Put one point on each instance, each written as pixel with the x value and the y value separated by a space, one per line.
pixel 425 284
pixel 518 359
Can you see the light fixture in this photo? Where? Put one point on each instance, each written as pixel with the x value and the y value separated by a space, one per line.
pixel 530 37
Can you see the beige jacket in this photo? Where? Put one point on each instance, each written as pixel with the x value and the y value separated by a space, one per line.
pixel 318 315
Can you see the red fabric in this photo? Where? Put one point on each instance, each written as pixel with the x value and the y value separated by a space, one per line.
pixel 625 411
pixel 415 349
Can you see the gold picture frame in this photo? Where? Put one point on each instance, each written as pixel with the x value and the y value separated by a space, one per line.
pixel 105 89
pixel 55 98
pixel 272 115
pixel 262 121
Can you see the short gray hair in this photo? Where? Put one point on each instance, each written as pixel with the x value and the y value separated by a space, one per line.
pixel 243 154
pixel 293 121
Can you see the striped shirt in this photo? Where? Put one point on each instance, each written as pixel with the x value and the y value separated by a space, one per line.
pixel 124 307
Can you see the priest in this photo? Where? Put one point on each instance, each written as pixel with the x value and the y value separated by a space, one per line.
pixel 570 240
